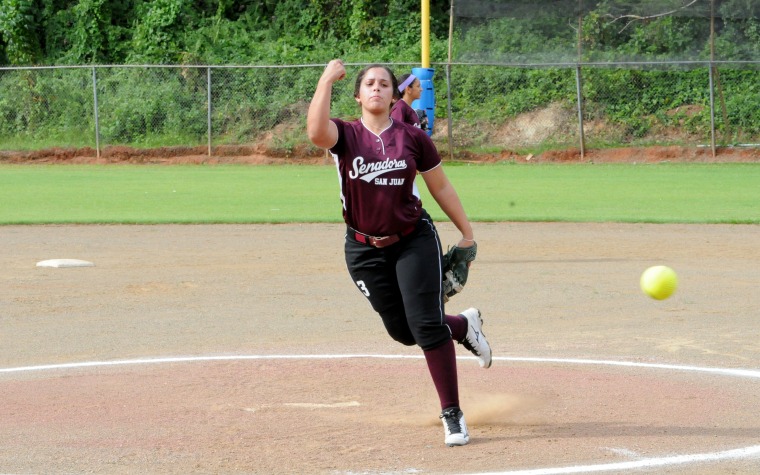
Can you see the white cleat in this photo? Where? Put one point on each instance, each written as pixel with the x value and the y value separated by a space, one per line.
pixel 454 427
pixel 475 341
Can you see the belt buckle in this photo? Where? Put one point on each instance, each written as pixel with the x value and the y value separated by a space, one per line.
pixel 378 241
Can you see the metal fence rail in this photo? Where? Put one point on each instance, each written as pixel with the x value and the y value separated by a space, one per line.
pixel 506 106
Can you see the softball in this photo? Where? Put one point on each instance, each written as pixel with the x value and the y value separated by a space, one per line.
pixel 659 282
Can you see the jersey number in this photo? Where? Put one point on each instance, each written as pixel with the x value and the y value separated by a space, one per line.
pixel 362 287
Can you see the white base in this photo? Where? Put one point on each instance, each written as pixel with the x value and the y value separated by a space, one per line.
pixel 65 263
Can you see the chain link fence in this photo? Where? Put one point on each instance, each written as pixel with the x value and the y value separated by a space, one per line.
pixel 602 105
pixel 486 107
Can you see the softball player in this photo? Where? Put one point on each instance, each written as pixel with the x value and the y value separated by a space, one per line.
pixel 392 249
pixel 409 91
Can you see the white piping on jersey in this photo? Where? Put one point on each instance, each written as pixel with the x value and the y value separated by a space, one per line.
pixel 440 272
pixel 379 139
pixel 439 164
pixel 415 190
pixel 340 182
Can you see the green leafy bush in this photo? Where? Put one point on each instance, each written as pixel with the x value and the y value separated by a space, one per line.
pixel 144 105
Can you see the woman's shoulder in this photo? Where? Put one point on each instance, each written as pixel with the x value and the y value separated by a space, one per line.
pixel 401 105
pixel 346 124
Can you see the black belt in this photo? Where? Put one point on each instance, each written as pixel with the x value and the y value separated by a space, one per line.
pixel 381 241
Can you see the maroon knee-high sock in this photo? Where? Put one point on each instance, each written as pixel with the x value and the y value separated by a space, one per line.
pixel 442 364
pixel 458 326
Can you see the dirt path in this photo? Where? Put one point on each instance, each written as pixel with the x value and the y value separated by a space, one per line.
pixel 239 298
pixel 258 154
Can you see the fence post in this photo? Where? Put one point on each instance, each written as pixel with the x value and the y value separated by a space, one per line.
pixel 208 107
pixel 578 79
pixel 579 94
pixel 712 109
pixel 448 112
pixel 448 82
pixel 95 108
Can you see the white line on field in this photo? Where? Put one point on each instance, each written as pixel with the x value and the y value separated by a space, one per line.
pixel 737 372
pixel 733 454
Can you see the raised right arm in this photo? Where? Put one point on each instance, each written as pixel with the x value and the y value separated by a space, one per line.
pixel 322 131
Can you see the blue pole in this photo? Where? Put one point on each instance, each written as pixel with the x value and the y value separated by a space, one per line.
pixel 426 102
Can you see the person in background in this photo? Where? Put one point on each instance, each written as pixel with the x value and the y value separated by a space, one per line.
pixel 409 90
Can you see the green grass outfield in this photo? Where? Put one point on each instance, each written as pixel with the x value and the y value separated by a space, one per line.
pixel 657 193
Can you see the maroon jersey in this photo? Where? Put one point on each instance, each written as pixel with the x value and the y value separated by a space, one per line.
pixel 377 172
pixel 403 112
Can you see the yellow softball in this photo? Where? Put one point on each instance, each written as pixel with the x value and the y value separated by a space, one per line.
pixel 659 282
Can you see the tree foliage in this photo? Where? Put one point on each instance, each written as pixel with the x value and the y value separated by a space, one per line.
pixel 20 31
pixel 34 32
pixel 278 32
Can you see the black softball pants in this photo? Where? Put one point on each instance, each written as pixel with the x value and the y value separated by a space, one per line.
pixel 403 284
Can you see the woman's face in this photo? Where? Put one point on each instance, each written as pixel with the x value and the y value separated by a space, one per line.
pixel 376 91
pixel 414 90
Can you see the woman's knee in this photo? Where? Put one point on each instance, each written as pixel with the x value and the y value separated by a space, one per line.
pixel 398 328
pixel 432 335
pixel 404 339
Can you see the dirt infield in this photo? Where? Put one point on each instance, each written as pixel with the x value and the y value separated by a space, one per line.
pixel 236 349
pixel 263 153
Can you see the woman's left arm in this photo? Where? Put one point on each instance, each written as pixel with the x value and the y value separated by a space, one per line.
pixel 446 196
